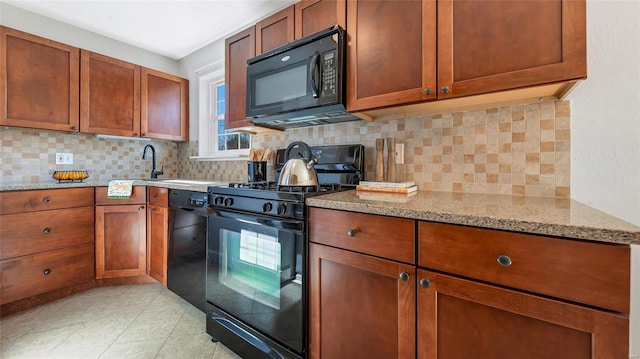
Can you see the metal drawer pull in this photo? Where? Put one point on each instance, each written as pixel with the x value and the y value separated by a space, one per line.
pixel 46 230
pixel 140 208
pixel 404 276
pixel 504 260
pixel 351 233
pixel 47 271
pixel 425 283
pixel 46 200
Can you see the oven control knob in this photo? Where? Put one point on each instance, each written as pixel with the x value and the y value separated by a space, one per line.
pixel 282 208
pixel 218 200
pixel 228 202
pixel 267 207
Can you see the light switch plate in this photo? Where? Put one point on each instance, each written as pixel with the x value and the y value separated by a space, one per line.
pixel 399 153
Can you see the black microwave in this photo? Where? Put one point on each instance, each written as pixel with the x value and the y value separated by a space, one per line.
pixel 299 84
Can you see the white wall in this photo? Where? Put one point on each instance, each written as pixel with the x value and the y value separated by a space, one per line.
pixel 190 67
pixel 605 125
pixel 32 23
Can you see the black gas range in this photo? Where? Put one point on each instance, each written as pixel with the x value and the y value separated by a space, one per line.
pixel 256 296
pixel 339 167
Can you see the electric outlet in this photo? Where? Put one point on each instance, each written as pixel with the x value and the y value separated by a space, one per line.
pixel 64 158
pixel 399 153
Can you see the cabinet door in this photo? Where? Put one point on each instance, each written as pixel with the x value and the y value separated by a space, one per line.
pixel 238 49
pixel 275 31
pixel 359 306
pixel 39 82
pixel 158 235
pixel 109 96
pixel 459 318
pixel 317 15
pixel 165 104
pixel 486 46
pixel 391 52
pixel 121 241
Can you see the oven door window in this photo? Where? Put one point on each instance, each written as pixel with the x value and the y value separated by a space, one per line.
pixel 254 273
pixel 251 264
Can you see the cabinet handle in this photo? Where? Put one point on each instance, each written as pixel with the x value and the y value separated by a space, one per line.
pixel 46 230
pixel 351 233
pixel 75 128
pixel 425 283
pixel 46 200
pixel 135 134
pixel 444 89
pixel 140 208
pixel 404 276
pixel 47 271
pixel 504 260
pixel 154 209
pixel 427 91
pixel 144 134
pixel 155 195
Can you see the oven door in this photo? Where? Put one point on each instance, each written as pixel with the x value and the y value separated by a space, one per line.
pixel 254 284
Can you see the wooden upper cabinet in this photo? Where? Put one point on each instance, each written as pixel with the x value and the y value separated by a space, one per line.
pixel 238 49
pixel 391 52
pixel 312 16
pixel 275 31
pixel 164 106
pixel 109 96
pixel 488 46
pixel 40 81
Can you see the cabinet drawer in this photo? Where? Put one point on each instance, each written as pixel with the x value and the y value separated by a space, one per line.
pixel 42 200
pixel 40 273
pixel 387 237
pixel 138 196
pixel 158 196
pixel 592 273
pixel 27 233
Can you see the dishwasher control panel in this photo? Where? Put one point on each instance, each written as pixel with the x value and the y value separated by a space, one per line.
pixel 187 199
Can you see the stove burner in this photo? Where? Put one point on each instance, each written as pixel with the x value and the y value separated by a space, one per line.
pixel 272 186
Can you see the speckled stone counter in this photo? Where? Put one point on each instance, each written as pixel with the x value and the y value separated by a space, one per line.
pixel 539 215
pixel 190 185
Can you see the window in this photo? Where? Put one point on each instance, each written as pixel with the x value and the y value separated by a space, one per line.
pixel 214 140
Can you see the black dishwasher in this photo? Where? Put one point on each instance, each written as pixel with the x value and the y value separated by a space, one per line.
pixel 186 257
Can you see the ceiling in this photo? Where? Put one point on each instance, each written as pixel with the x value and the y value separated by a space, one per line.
pixel 173 28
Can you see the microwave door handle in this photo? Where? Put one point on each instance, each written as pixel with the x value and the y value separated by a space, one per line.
pixel 314 75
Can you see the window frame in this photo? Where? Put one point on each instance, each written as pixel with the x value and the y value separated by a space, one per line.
pixel 207 126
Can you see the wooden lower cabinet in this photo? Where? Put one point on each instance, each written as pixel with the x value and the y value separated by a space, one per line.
pixel 46 244
pixel 461 299
pixel 26 276
pixel 459 318
pixel 359 305
pixel 121 236
pixel 157 233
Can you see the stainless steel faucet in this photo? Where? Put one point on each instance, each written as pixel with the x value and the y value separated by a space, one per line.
pixel 154 172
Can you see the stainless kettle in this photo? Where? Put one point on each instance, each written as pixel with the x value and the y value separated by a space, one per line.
pixel 298 172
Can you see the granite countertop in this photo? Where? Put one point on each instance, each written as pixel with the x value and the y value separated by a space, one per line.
pixel 184 184
pixel 560 217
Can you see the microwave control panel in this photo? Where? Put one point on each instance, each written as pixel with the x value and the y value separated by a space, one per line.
pixel 329 80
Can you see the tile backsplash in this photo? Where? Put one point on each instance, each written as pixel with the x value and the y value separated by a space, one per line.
pixel 519 150
pixel 29 155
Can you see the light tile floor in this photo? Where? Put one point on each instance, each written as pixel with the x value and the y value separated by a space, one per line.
pixel 124 322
